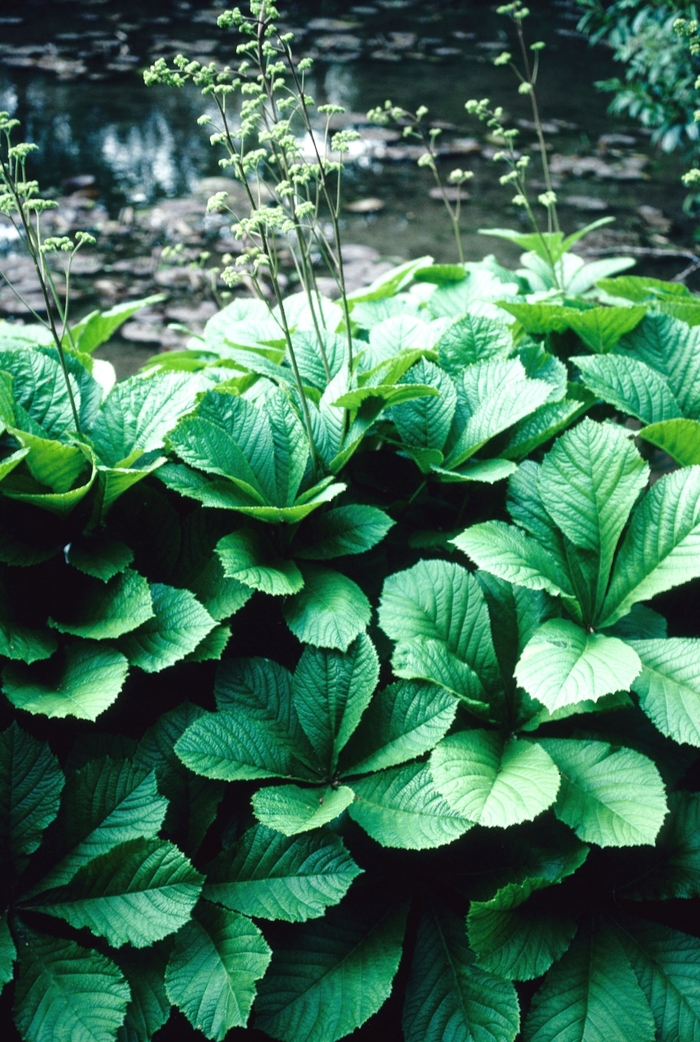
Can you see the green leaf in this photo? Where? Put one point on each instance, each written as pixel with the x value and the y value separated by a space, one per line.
pixel 680 439
pixel 588 484
pixel 9 463
pixel 271 876
pixel 401 807
pixel 329 612
pixel 264 452
pixel 17 641
pixel 98 326
pixel 31 782
pixel 216 960
pixel 331 691
pixel 672 868
pixel 139 412
pixel 99 555
pixel 333 976
pixel 473 338
pixel 669 686
pixel 448 997
pixel 546 422
pixel 149 1007
pixel 493 782
pixel 421 658
pixel 39 387
pixel 8 952
pixel 106 803
pixel 66 991
pixel 212 647
pixel 497 394
pixel 221 597
pixel 441 601
pixel 673 349
pixel 193 800
pixel 640 289
pixel 540 317
pixel 402 722
pixel 83 683
pixel 601 328
pixel 245 556
pixel 178 624
pixel 291 810
pixel 662 546
pixel 426 422
pixel 387 395
pixel 666 964
pixel 489 471
pixel 614 798
pixel 102 611
pixel 344 530
pixel 509 554
pixel 136 893
pixel 517 936
pixel 562 665
pixel 630 386
pixel 590 995
pixel 257 733
pixel 391 282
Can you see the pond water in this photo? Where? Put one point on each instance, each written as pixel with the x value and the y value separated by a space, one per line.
pixel 71 70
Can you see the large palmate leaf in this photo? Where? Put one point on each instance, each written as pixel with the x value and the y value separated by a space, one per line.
pixel 256 734
pixel 216 959
pixel 39 388
pixel 178 625
pixel 331 975
pixel 680 439
pixel 99 555
pixel 672 868
pixel 630 385
pixel 590 995
pixel 149 1007
pixel 343 530
pixel 491 781
pixel 329 612
pixel 425 422
pixel 512 555
pixel 448 997
pixel 562 665
pixel 401 807
pixel 262 451
pixel 470 339
pixel 83 684
pixel 193 800
pixel 611 798
pixel 517 936
pixel 98 326
pixel 31 782
pixel 290 809
pixel 272 876
pixel 106 610
pixel 493 396
pixel 662 546
pixel 588 483
pixel 139 412
pixel 66 991
pixel 666 964
pixel 331 691
pixel 669 686
pixel 248 558
pixel 402 722
pixel 440 602
pixel 601 328
pixel 136 893
pixel 673 349
pixel 8 952
pixel 106 803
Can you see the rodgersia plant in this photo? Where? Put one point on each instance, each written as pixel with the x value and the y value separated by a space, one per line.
pixel 297 727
